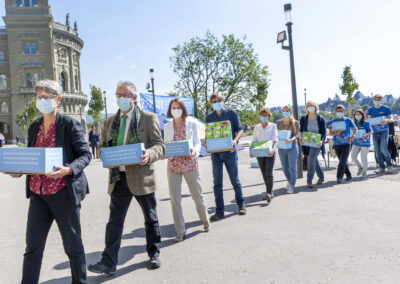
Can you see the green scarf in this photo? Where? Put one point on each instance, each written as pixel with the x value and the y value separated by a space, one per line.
pixel 134 137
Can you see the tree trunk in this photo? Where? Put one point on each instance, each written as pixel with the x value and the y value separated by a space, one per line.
pixel 349 109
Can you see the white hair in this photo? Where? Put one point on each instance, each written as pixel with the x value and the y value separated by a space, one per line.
pixel 49 86
pixel 129 85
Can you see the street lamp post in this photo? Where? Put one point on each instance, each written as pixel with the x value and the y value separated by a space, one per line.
pixel 152 88
pixel 305 98
pixel 281 38
pixel 105 102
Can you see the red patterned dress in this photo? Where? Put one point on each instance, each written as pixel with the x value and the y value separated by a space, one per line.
pixel 183 164
pixel 36 182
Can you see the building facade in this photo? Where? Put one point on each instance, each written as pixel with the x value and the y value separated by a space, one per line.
pixel 33 47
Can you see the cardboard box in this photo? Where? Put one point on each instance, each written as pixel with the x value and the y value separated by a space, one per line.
pixel 178 148
pixel 360 134
pixel 219 136
pixel 284 134
pixel 339 125
pixel 311 139
pixel 261 149
pixel 30 160
pixel 376 120
pixel 122 155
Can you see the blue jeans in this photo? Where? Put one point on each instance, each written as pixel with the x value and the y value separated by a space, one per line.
pixel 381 141
pixel 230 159
pixel 289 163
pixel 313 165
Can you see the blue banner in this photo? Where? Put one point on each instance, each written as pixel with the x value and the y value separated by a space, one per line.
pixel 162 103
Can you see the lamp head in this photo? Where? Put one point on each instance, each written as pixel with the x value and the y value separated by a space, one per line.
pixel 151 73
pixel 288 12
pixel 281 37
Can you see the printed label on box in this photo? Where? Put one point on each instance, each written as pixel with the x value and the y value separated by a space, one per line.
pixel 338 125
pixel 178 148
pixel 122 155
pixel 261 149
pixel 220 144
pixel 376 120
pixel 284 134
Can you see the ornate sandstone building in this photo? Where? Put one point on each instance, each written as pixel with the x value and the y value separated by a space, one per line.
pixel 34 47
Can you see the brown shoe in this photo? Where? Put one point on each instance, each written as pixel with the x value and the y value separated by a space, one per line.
pixel 217 216
pixel 320 181
pixel 242 210
pixel 309 184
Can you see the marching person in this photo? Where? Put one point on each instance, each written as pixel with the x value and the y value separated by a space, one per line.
pixel 183 127
pixel 229 158
pixel 131 125
pixel 361 145
pixel 381 134
pixel 341 141
pixel 315 123
pixel 58 195
pixel 289 157
pixel 94 141
pixel 266 131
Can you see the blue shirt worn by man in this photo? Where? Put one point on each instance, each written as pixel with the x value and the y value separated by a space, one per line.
pixel 376 112
pixel 342 138
pixel 227 114
pixel 363 142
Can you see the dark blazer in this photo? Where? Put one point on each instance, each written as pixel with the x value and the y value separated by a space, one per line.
pixel 322 131
pixel 94 138
pixel 76 153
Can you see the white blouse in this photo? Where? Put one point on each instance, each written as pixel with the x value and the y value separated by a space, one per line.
pixel 269 133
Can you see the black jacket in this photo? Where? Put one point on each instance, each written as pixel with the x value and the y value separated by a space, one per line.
pixel 76 153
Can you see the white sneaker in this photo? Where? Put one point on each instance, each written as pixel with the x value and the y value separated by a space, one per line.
pixel 380 171
pixel 364 175
pixel 389 169
pixel 290 190
pixel 359 172
pixel 287 185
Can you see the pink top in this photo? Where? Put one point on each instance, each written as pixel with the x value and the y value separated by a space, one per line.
pixel 49 185
pixel 183 164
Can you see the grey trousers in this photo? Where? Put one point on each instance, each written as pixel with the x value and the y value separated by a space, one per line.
pixel 363 151
pixel 175 192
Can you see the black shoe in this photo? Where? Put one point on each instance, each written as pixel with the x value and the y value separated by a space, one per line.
pixel 242 210
pixel 309 184
pixel 348 179
pixel 339 180
pixel 101 268
pixel 268 197
pixel 320 181
pixel 154 263
pixel 217 216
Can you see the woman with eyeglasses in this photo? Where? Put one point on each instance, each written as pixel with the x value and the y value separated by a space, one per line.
pixel 361 143
pixel 58 195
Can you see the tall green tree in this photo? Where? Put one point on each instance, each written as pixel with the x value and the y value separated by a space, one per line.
pixel 26 116
pixel 206 65
pixel 348 86
pixel 96 105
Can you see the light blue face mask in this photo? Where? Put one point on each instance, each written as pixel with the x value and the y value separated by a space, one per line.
pixel 311 109
pixel 377 103
pixel 218 106
pixel 124 104
pixel 358 117
pixel 339 114
pixel 286 114
pixel 45 106
pixel 264 118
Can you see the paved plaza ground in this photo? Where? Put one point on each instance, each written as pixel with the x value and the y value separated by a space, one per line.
pixel 347 233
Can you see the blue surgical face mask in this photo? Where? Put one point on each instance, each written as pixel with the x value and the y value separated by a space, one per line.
pixel 339 114
pixel 377 103
pixel 218 106
pixel 45 106
pixel 311 109
pixel 264 118
pixel 124 104
pixel 286 114
pixel 358 117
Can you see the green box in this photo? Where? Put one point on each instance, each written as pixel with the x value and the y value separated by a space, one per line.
pixel 311 139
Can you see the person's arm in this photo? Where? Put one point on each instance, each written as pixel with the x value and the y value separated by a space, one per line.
pixel 196 140
pixel 238 129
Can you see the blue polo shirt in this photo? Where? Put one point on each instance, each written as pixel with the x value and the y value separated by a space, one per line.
pixel 360 141
pixel 227 114
pixel 382 111
pixel 343 138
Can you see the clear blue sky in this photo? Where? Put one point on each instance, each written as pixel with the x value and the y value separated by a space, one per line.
pixel 123 39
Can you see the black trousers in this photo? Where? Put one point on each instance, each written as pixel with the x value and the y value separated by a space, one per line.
pixel 43 209
pixel 120 200
pixel 94 152
pixel 343 152
pixel 267 166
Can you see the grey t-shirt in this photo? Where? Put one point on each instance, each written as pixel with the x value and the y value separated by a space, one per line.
pixel 312 125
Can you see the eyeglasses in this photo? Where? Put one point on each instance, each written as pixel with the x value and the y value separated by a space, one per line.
pixel 125 95
pixel 216 101
pixel 46 97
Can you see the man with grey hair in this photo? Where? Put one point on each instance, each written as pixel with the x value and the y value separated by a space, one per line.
pixel 131 125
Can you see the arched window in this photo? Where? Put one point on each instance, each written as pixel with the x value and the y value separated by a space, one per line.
pixel 76 83
pixel 2 56
pixel 4 108
pixel 28 80
pixel 19 3
pixel 3 82
pixel 63 82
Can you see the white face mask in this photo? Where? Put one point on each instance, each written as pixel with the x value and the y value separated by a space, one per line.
pixel 176 113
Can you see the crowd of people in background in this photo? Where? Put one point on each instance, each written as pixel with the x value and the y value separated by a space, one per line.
pixel 58 195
